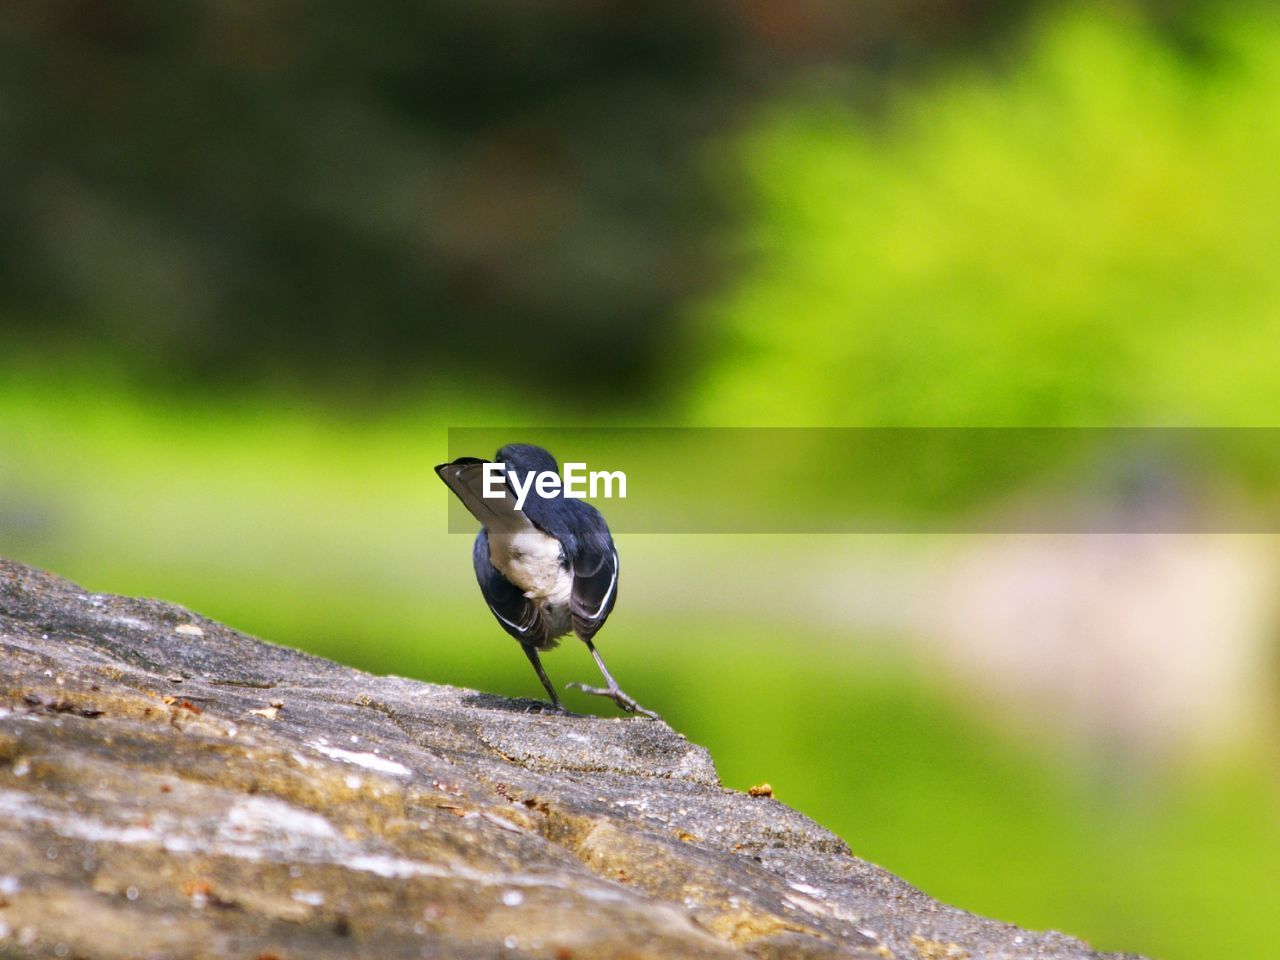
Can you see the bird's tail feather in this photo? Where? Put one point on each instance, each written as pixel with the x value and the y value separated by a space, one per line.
pixel 465 477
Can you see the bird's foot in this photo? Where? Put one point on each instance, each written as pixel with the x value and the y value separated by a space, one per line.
pixel 546 706
pixel 617 696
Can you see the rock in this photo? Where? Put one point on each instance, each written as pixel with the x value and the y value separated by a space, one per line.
pixel 172 788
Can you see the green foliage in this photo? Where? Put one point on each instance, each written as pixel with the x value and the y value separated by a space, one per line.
pixel 344 195
pixel 1087 238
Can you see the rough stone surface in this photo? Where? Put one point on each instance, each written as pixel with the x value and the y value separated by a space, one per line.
pixel 172 788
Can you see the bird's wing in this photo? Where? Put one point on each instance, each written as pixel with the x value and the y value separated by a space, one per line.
pixel 517 614
pixel 465 477
pixel 595 589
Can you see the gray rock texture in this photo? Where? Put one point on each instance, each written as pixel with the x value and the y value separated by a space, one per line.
pixel 172 788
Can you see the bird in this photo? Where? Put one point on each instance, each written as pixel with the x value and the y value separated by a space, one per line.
pixel 545 569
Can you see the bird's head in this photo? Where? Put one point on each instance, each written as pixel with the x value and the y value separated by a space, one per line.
pixel 524 458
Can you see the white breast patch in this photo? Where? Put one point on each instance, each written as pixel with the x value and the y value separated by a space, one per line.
pixel 531 560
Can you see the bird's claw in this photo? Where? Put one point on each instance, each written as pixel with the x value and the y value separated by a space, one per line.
pixel 616 694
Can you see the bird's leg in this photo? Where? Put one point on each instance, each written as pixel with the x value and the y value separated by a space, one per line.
pixel 532 654
pixel 613 692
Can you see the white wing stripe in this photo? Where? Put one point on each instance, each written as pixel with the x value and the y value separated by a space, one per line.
pixel 613 582
pixel 513 626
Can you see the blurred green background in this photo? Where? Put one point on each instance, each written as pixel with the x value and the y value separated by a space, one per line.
pixel 256 259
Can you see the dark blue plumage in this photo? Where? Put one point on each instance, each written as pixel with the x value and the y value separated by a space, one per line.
pixel 545 569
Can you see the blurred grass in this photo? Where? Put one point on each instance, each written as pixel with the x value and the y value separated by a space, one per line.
pixel 329 536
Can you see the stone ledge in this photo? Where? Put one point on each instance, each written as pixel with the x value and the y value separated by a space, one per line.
pixel 170 787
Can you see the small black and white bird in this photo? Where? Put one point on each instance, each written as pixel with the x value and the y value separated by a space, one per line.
pixel 544 569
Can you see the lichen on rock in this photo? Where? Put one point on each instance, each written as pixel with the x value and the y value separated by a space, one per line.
pixel 170 787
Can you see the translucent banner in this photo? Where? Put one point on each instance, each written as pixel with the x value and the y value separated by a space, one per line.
pixel 904 480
